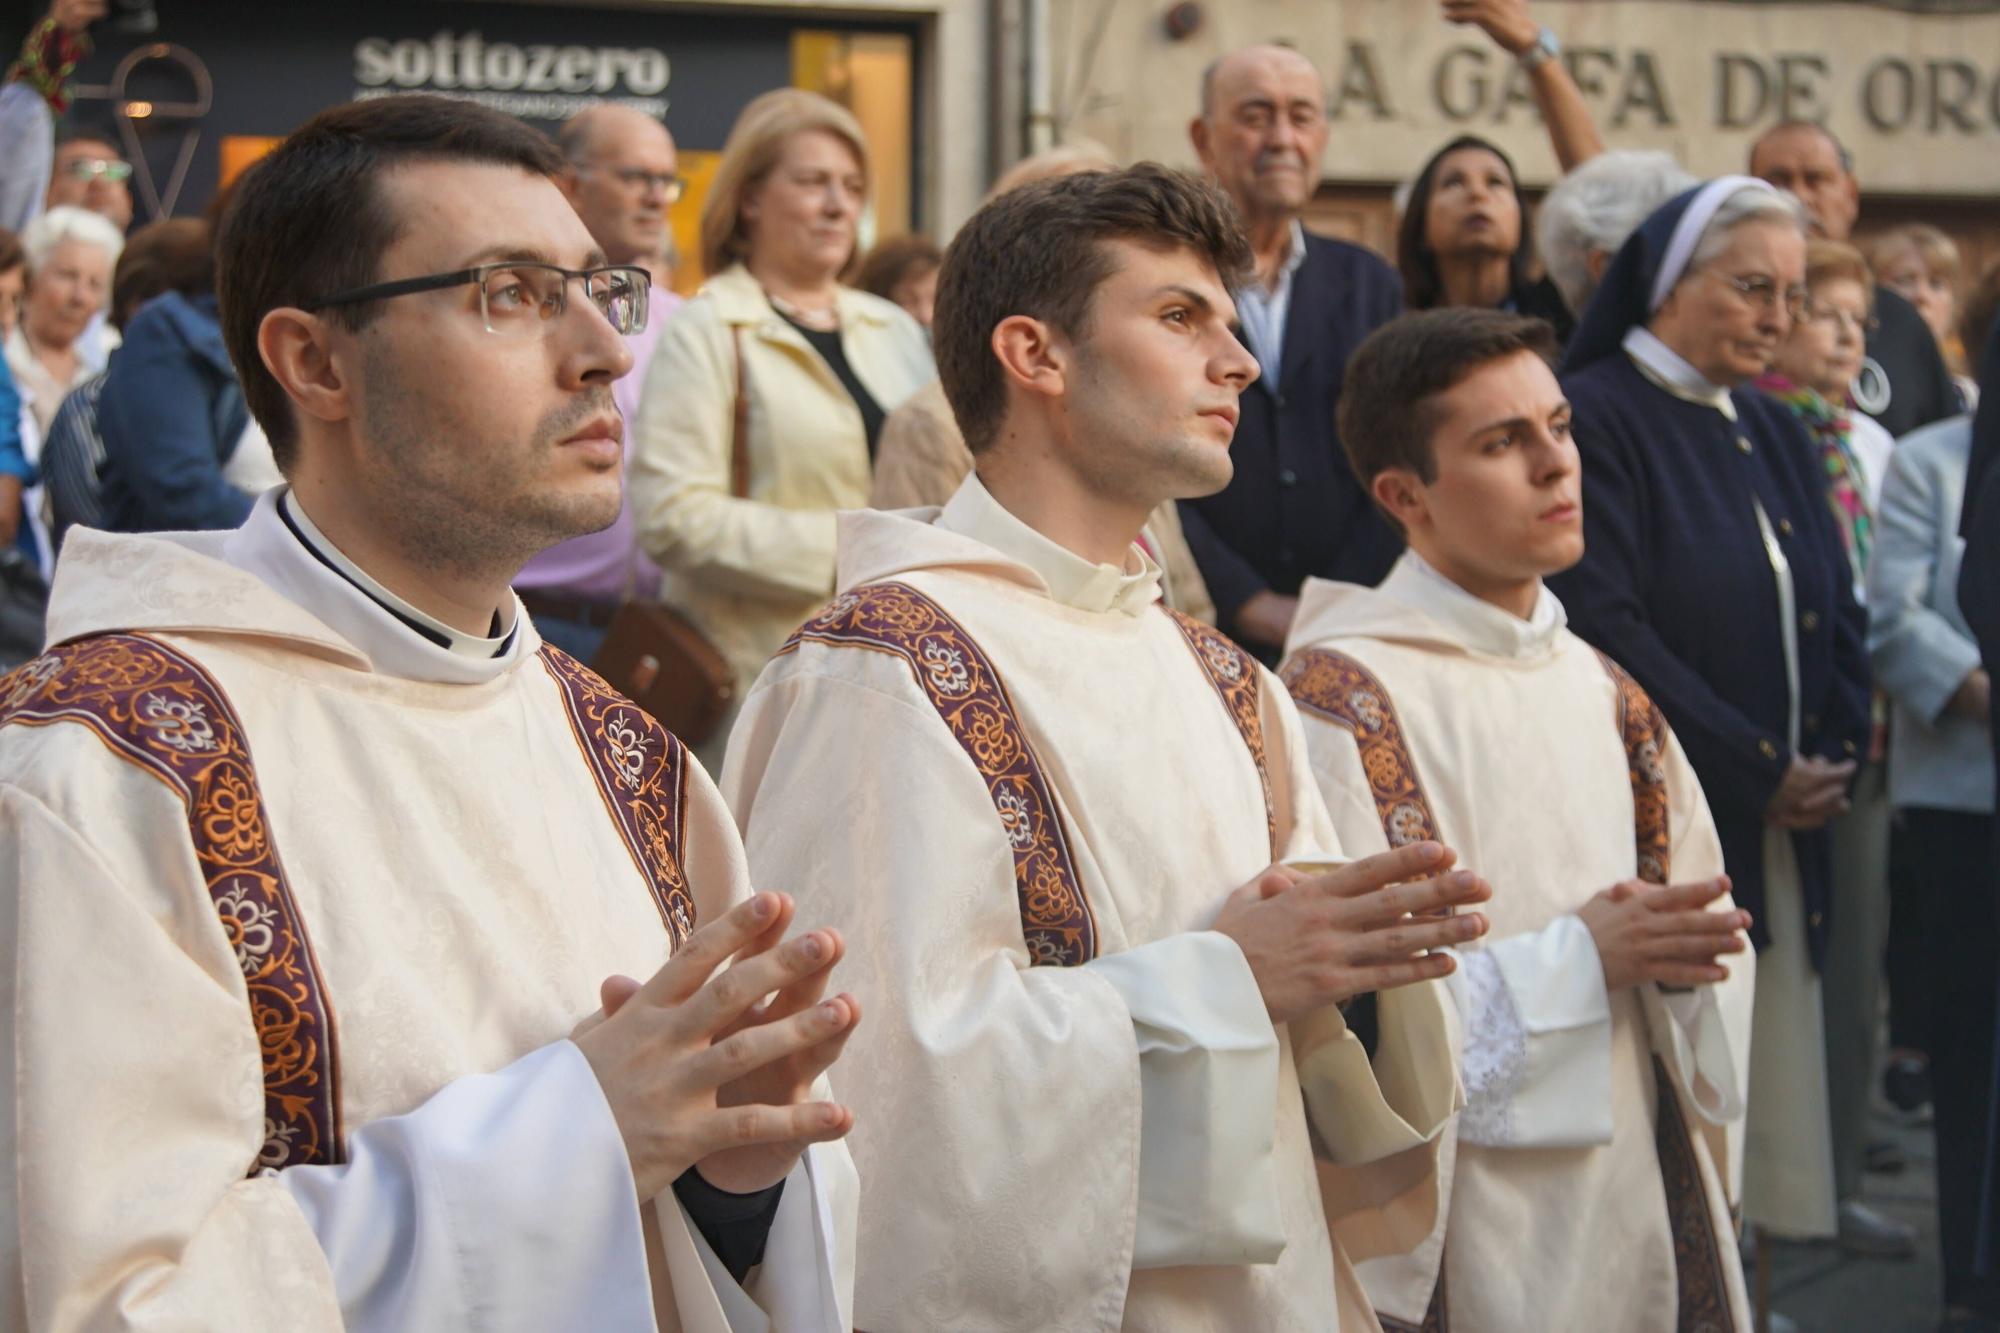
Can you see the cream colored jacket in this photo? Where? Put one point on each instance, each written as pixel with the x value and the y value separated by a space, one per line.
pixel 748 571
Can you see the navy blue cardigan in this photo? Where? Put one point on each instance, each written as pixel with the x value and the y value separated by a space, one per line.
pixel 1293 507
pixel 1676 585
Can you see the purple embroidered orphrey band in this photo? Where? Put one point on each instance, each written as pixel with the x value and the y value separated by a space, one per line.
pixel 1341 690
pixel 1233 672
pixel 160 712
pixel 969 696
pixel 641 771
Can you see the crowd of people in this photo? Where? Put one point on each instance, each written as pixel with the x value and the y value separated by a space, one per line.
pixel 1370 794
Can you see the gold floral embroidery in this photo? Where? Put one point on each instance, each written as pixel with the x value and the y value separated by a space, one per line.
pixel 1644 730
pixel 641 771
pixel 160 712
pixel 1338 688
pixel 961 684
pixel 1235 677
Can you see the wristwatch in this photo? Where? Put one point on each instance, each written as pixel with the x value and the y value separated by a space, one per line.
pixel 1545 46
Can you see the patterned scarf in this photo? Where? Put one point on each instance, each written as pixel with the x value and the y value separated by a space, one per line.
pixel 48 57
pixel 1832 429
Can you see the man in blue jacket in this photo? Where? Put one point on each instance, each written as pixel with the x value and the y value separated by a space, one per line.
pixel 1293 508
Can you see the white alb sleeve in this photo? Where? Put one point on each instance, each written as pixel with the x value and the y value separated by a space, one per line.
pixel 1208 1077
pixel 1537 1063
pixel 506 1201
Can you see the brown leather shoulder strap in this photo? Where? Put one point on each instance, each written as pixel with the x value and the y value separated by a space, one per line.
pixel 961 683
pixel 739 427
pixel 1334 686
pixel 160 711
pixel 641 771
pixel 1237 682
pixel 1644 730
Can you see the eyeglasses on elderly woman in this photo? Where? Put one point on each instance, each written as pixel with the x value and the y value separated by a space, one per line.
pixel 1758 290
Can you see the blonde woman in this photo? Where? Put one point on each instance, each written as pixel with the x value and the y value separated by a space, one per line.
pixel 748 557
pixel 1921 264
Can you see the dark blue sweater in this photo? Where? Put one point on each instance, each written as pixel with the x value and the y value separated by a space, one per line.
pixel 1676 585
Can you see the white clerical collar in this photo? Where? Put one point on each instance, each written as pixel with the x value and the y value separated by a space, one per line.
pixel 1478 625
pixel 283 547
pixel 1671 371
pixel 1071 579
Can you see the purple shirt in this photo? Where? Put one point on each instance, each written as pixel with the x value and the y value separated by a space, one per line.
pixel 604 566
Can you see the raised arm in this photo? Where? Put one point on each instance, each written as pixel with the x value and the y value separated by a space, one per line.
pixel 1572 130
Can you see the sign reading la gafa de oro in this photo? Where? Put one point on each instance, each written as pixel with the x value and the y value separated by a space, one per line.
pixel 1915 96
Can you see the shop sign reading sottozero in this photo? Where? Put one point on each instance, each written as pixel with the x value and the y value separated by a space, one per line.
pixel 451 62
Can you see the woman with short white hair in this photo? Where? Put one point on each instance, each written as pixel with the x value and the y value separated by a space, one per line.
pixel 1713 572
pixel 1587 215
pixel 71 253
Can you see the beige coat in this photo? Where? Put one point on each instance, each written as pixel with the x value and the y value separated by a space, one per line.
pixel 747 571
pixel 922 459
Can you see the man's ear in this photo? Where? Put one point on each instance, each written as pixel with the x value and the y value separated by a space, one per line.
pixel 297 348
pixel 1031 356
pixel 1198 136
pixel 1595 262
pixel 570 183
pixel 1398 491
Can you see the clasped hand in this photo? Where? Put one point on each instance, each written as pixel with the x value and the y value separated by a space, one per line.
pixel 701 1069
pixel 1812 791
pixel 1315 940
pixel 1664 933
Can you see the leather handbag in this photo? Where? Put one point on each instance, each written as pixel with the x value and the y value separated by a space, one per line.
pixel 653 654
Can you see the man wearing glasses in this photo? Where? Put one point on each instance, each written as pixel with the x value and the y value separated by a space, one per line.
pixel 91 172
pixel 621 180
pixel 342 877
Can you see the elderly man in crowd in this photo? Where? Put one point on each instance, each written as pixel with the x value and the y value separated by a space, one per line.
pixel 622 178
pixel 1904 383
pixel 1587 215
pixel 1293 508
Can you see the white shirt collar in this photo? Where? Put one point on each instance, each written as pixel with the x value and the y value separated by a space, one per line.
pixel 1671 371
pixel 1478 625
pixel 1071 579
pixel 1295 255
pixel 283 547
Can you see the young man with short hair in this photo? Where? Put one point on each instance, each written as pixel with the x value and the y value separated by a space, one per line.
pixel 1074 840
pixel 1590 1177
pixel 325 880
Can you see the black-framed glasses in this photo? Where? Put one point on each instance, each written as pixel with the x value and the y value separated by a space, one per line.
pixel 1765 294
pixel 98 168
pixel 517 297
pixel 639 180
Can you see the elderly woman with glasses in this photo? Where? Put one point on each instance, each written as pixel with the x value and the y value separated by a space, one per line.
pixel 1713 571
pixel 766 396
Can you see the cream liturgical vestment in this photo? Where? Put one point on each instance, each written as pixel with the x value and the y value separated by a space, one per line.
pixel 304 894
pixel 1024 789
pixel 1591 1175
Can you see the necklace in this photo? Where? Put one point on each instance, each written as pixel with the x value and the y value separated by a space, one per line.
pixel 825 318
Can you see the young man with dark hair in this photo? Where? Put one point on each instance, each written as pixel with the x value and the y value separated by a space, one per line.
pixel 1605 1042
pixel 327 880
pixel 1073 836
